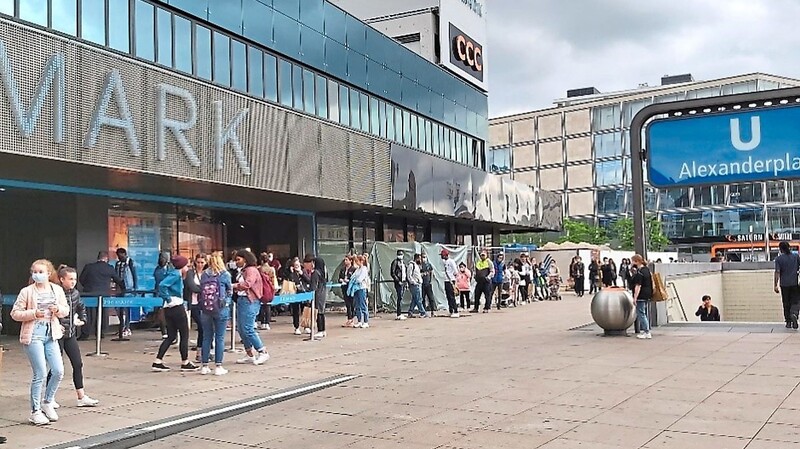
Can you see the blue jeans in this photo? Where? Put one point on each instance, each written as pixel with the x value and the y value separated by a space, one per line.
pixel 42 352
pixel 416 300
pixel 246 313
pixel 362 313
pixel 641 315
pixel 214 328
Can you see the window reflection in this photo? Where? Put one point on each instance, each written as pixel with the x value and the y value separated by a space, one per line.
pixel 7 7
pixel 499 160
pixel 34 11
pixel 606 117
pixel 239 65
pixel 65 15
pixel 364 106
pixel 610 201
pixel 608 145
pixel 226 13
pixel 285 82
pixel 321 93
pixel 258 21
pixel 746 193
pixel 93 21
pixel 202 51
pixel 222 59
pixel 308 92
pixel 164 19
pixel 145 31
pixel 256 72
pixel 270 77
pixel 333 101
pixel 297 86
pixel 608 173
pixel 183 52
pixel 344 105
pixel 390 126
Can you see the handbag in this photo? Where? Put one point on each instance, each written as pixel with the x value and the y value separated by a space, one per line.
pixel 288 288
pixel 306 319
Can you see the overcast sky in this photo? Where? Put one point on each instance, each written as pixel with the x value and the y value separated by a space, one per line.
pixel 541 48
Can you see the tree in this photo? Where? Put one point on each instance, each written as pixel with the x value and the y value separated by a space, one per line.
pixel 622 233
pixel 577 231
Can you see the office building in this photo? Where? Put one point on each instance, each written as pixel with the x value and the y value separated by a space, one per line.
pixel 200 125
pixel 580 148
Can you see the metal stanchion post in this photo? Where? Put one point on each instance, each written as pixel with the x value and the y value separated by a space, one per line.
pixel 233 329
pixel 99 330
pixel 313 312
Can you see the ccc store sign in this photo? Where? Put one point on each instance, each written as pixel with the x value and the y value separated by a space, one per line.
pixel 466 53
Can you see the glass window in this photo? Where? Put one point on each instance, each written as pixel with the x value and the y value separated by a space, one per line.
pixel 355 109
pixel 198 8
pixel 746 193
pixel 202 36
pixel 768 85
pixel 336 58
pixel 34 11
pixel 703 93
pixel 270 77
pixel 164 21
pixel 631 108
pixel 344 105
pixel 311 14
pixel 335 25
pixel 398 125
pixel 437 140
pixel 374 116
pixel 256 72
pixel 226 14
pixel 391 135
pixel 414 131
pixel 499 159
pixel 610 201
pixel 183 52
pixel 606 117
pixel 333 100
pixel 608 173
pixel 356 35
pixel 308 92
pixel 739 88
pixel 289 7
pixel 672 198
pixel 322 96
pixel 258 21
pixel 65 15
pixel 7 7
pixel 297 86
pixel 93 21
pixel 428 136
pixel 775 191
pixel 608 145
pixel 407 128
pixel 145 31
pixel 670 97
pixel 312 47
pixel 239 69
pixel 285 82
pixel 357 69
pixel 286 35
pixel 222 59
pixel 709 195
pixel 364 112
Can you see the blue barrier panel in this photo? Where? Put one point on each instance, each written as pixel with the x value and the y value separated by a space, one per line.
pixel 292 299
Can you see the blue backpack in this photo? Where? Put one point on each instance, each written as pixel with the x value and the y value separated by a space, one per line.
pixel 210 298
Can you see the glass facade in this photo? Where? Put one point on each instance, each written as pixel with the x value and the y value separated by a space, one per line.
pixel 252 45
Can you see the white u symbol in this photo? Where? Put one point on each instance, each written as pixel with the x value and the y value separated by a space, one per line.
pixel 755 139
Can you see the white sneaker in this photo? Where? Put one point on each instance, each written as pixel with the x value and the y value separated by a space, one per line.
pixel 49 412
pixel 38 419
pixel 205 370
pixel 298 332
pixel 455 315
pixel 641 335
pixel 86 401
pixel 308 330
pixel 364 325
pixel 400 318
pixel 245 360
pixel 55 405
pixel 261 358
pixel 265 327
pixel 357 326
pixel 649 335
pixel 321 335
pixel 220 371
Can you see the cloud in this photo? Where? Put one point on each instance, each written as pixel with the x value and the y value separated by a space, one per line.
pixel 541 48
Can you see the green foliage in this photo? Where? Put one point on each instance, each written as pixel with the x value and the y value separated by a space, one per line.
pixel 577 231
pixel 622 232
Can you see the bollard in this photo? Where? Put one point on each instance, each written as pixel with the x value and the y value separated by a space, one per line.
pixel 99 331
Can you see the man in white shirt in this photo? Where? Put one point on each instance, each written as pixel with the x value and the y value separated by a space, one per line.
pixel 526 274
pixel 450 271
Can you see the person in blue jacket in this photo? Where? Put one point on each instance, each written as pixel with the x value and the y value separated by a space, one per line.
pixel 497 280
pixel 170 290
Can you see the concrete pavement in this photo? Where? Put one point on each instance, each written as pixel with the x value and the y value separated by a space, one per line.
pixel 513 379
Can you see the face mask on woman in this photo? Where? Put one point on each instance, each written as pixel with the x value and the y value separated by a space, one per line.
pixel 39 278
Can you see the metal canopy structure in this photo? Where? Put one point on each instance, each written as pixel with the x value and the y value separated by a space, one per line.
pixel 769 99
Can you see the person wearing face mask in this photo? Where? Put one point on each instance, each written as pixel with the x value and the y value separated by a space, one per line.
pixel 499 277
pixel 170 290
pixel 484 272
pixel 427 285
pixel 191 295
pixel 39 307
pixel 464 285
pixel 400 277
pixel 642 284
pixel 450 273
pixel 126 270
pixel 296 277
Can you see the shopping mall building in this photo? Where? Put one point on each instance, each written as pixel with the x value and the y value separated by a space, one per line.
pixel 580 148
pixel 196 125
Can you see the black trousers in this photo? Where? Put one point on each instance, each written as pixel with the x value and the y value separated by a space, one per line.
pixel 791 302
pixel 450 292
pixel 196 318
pixel 176 325
pixel 485 289
pixel 464 298
pixel 265 314
pixel 427 292
pixel 297 309
pixel 73 350
pixel 349 304
pixel 524 288
pixel 580 288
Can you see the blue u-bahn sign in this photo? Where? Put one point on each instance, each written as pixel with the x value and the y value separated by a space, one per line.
pixel 723 148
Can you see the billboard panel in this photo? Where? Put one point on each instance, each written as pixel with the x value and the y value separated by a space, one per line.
pixel 462 39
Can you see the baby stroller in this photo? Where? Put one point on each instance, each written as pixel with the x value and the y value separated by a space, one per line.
pixel 554 288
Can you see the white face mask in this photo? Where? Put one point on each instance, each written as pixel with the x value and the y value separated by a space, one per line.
pixel 270 258
pixel 399 257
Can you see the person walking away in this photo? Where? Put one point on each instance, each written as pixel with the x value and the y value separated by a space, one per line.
pixel 464 285
pixel 96 279
pixel 39 306
pixel 216 290
pixel 357 288
pixel 68 278
pixel 191 295
pixel 415 286
pixel 347 271
pixel 170 290
pixel 159 273
pixel 314 272
pixel 578 274
pixel 642 294
pixel 249 289
pixel 484 272
pixel 594 274
pixel 427 285
pixel 499 277
pixel 787 266
pixel 126 270
pixel 450 272
pixel 707 311
pixel 400 278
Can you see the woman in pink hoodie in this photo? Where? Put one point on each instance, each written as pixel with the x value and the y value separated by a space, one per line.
pixel 463 282
pixel 39 307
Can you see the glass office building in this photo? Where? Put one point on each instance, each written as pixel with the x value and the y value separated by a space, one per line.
pixel 199 125
pixel 581 149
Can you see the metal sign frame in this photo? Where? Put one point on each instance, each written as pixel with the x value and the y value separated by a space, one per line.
pixel 767 99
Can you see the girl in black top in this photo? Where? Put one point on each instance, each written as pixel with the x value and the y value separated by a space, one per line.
pixel 642 284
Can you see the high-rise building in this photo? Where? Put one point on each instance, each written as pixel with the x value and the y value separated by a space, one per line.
pixel 580 148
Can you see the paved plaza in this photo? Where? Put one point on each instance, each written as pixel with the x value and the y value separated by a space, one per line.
pixel 519 378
